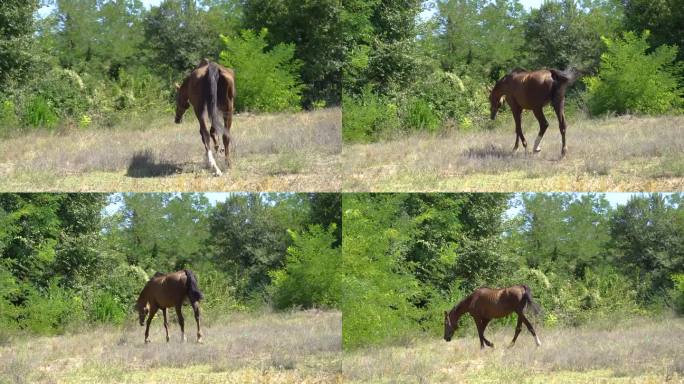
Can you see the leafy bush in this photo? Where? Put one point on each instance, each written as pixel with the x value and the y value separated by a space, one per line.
pixel 65 92
pixel 631 81
pixel 106 308
pixel 451 97
pixel 678 294
pixel 368 117
pixel 8 117
pixel 266 81
pixel 418 115
pixel 310 276
pixel 39 113
pixel 52 311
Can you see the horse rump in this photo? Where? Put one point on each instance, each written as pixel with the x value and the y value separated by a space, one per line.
pixel 194 293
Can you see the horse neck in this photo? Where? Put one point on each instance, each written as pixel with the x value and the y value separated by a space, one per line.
pixel 142 298
pixel 500 88
pixel 459 310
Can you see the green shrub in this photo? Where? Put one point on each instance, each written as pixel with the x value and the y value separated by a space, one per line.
pixel 418 115
pixel 678 294
pixel 450 97
pixel 631 81
pixel 266 81
pixel 64 91
pixel 106 308
pixel 39 113
pixel 52 311
pixel 310 276
pixel 8 117
pixel 368 117
pixel 219 291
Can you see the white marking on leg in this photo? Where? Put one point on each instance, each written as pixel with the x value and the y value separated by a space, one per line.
pixel 536 340
pixel 537 141
pixel 212 163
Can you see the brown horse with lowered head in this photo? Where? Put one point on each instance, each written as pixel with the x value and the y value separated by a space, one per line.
pixel 164 291
pixel 533 90
pixel 486 304
pixel 210 89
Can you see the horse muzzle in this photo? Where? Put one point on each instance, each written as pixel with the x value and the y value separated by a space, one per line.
pixel 447 339
pixel 178 120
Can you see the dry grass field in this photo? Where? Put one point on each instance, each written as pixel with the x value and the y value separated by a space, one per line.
pixel 612 154
pixel 279 152
pixel 297 347
pixel 640 351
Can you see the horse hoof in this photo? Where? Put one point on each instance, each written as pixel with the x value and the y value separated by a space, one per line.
pixel 537 150
pixel 147 341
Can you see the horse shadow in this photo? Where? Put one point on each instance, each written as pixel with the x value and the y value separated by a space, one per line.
pixel 489 152
pixel 145 164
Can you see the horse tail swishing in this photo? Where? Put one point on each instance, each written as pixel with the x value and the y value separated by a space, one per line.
pixel 194 293
pixel 211 97
pixel 529 303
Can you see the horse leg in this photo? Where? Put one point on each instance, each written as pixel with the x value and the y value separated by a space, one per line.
pixel 206 140
pixel 166 325
pixel 196 309
pixel 560 113
pixel 480 331
pixel 153 311
pixel 214 138
pixel 181 322
pixel 227 123
pixel 518 328
pixel 484 326
pixel 517 117
pixel 531 329
pixel 543 124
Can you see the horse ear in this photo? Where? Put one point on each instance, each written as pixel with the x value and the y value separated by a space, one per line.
pixel 177 86
pixel 446 314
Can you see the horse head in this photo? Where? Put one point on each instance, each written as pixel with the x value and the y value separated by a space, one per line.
pixel 182 103
pixel 143 310
pixel 495 101
pixel 449 327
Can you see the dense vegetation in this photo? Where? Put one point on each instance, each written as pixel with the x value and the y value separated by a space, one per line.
pixel 408 257
pixel 70 259
pixel 96 63
pixel 426 65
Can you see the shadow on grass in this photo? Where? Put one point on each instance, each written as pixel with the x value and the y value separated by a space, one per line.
pixel 490 151
pixel 145 164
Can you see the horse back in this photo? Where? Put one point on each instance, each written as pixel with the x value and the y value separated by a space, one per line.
pixel 167 290
pixel 494 303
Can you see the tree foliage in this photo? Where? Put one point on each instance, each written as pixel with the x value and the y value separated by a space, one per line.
pixel 632 80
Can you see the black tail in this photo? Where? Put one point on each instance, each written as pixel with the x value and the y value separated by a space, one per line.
pixel 194 293
pixel 536 309
pixel 211 97
pixel 564 77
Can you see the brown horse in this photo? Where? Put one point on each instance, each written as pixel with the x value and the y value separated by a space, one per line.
pixel 210 88
pixel 164 291
pixel 486 304
pixel 533 90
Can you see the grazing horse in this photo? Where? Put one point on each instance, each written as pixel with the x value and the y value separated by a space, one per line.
pixel 164 291
pixel 210 88
pixel 486 304
pixel 533 90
